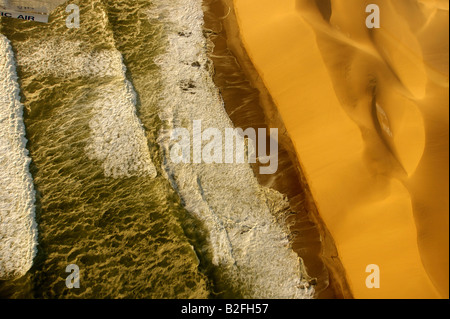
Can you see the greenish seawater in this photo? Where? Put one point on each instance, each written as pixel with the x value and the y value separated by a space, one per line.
pixel 130 236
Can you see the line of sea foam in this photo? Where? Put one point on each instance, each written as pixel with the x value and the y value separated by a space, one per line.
pixel 118 138
pixel 18 230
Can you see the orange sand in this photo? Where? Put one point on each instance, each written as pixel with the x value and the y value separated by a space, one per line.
pixel 367 111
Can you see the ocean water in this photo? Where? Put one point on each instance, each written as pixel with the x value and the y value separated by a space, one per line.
pixel 100 102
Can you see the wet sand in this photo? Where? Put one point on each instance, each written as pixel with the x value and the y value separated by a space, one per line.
pixel 249 104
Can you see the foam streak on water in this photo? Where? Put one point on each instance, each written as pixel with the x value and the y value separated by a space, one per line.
pixel 60 57
pixel 117 137
pixel 247 243
pixel 18 230
pixel 119 140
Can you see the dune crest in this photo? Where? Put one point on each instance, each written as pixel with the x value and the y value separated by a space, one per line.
pixel 367 110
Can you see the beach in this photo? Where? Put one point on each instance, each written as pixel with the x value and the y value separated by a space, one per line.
pixel 249 104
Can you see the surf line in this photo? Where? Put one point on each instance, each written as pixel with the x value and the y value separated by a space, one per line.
pixel 228 150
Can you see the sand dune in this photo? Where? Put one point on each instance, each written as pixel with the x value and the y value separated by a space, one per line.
pixel 367 111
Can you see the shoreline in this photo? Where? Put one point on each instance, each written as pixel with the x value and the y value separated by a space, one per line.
pixel 251 105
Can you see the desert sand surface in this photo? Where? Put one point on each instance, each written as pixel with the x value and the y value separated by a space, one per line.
pixel 367 111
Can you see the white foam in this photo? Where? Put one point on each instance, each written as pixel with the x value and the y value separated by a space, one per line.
pixel 247 242
pixel 117 136
pixel 64 58
pixel 18 230
pixel 118 139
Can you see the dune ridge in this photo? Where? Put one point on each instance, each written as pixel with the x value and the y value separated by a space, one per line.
pixel 367 111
